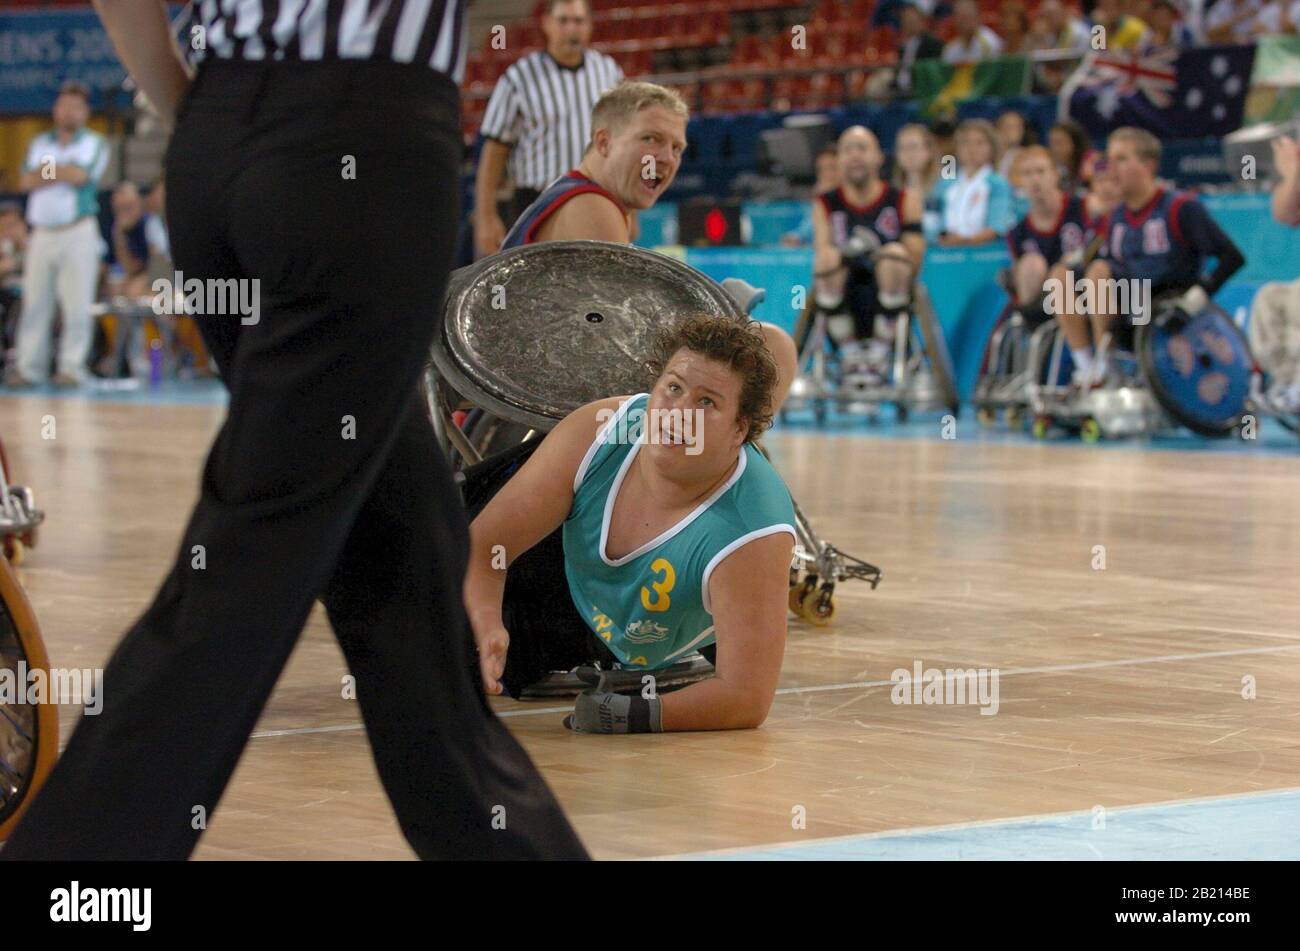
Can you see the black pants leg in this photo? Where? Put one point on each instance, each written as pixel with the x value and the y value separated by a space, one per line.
pixel 324 481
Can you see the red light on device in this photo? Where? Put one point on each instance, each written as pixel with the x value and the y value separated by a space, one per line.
pixel 715 225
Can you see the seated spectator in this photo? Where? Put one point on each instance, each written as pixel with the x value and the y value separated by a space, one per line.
pixel 128 244
pixel 1123 32
pixel 1060 29
pixel 1167 27
pixel 1068 144
pixel 1055 28
pixel 915 43
pixel 1014 134
pixel 1232 21
pixel 1286 194
pixel 916 169
pixel 827 180
pixel 977 204
pixel 974 41
pixel 13 252
pixel 1013 21
pixel 155 204
pixel 1277 18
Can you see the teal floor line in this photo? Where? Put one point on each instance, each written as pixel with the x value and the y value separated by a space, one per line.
pixel 1254 826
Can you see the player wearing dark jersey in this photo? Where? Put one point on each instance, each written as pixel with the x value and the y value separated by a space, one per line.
pixel 1157 237
pixel 867 243
pixel 1052 237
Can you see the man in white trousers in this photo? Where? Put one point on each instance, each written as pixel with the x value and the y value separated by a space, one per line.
pixel 61 175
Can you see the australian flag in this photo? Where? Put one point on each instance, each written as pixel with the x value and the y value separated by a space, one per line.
pixel 1172 93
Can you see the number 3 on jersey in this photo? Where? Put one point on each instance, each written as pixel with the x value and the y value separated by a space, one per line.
pixel 659 601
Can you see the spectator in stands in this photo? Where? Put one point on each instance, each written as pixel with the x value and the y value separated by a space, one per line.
pixel 828 179
pixel 977 204
pixel 1060 28
pixel 916 43
pixel 61 173
pixel 1123 32
pixel 916 159
pixel 1014 134
pixel 13 249
pixel 945 137
pixel 974 41
pixel 539 117
pixel 129 251
pixel 1277 17
pixel 1232 21
pixel 1161 238
pixel 916 168
pixel 1014 23
pixel 155 204
pixel 1068 143
pixel 1167 27
pixel 1286 194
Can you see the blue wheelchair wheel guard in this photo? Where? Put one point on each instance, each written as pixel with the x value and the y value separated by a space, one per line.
pixel 1199 369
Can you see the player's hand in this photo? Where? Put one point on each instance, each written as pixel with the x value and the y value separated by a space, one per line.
pixel 489 232
pixel 1193 301
pixel 1286 157
pixel 492 647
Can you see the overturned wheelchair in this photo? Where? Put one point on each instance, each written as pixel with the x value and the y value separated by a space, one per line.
pixel 1177 369
pixel 500 375
pixel 905 362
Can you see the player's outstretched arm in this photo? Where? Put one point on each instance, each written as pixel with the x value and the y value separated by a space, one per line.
pixel 529 507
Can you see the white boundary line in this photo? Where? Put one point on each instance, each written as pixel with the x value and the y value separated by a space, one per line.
pixel 863 684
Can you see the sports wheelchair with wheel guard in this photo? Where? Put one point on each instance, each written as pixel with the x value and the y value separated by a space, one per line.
pixel 29 731
pixel 579 322
pixel 913 370
pixel 1192 370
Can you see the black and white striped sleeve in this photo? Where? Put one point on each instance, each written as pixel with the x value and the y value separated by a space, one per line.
pixel 504 113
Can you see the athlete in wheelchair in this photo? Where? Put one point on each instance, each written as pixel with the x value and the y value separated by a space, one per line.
pixel 854 337
pixel 1159 351
pixel 1054 239
pixel 642 528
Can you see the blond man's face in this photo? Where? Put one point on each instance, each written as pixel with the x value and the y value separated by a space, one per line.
pixel 645 154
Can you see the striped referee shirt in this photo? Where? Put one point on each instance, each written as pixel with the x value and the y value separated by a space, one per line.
pixel 404 31
pixel 543 110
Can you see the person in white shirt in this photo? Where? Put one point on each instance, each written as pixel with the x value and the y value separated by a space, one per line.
pixel 1231 21
pixel 974 41
pixel 61 175
pixel 1277 17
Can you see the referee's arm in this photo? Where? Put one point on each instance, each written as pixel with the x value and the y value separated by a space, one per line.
pixel 143 39
pixel 499 121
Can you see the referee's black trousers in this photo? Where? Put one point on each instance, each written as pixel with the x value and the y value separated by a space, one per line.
pixel 335 186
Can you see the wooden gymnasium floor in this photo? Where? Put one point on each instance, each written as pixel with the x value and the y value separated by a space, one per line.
pixel 1118 687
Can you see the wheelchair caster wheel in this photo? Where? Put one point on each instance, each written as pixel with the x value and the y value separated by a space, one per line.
pixel 818 607
pixel 798 592
pixel 1090 430
pixel 985 416
pixel 14 550
pixel 1014 418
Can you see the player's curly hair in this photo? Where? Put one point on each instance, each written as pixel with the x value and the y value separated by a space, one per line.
pixel 735 341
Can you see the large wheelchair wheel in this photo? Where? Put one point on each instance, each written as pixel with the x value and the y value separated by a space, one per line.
pixel 936 350
pixel 29 733
pixel 1198 368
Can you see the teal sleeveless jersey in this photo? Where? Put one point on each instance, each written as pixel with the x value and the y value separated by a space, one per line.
pixel 651 607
